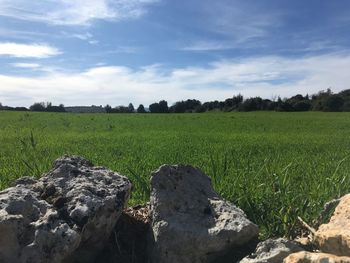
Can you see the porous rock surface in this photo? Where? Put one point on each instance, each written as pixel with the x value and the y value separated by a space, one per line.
pixel 334 237
pixel 190 221
pixel 309 257
pixel 66 216
pixel 272 251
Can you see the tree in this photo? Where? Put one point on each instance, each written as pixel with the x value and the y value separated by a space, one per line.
pixel 52 108
pixel 108 108
pixel 318 100
pixel 48 105
pixel 233 103
pixel 154 107
pixel 252 104
pixel 303 105
pixel 141 109
pixel 131 108
pixel 200 109
pixel 121 109
pixel 163 106
pixel 38 106
pixel 333 103
pixel 178 107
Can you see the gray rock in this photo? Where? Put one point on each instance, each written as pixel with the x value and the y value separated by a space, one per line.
pixel 65 216
pixel 272 251
pixel 190 221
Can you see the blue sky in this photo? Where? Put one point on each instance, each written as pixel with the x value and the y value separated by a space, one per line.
pixel 83 52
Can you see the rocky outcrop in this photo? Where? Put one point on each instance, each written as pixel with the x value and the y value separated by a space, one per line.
pixel 66 216
pixel 272 251
pixel 308 257
pixel 75 213
pixel 190 221
pixel 334 237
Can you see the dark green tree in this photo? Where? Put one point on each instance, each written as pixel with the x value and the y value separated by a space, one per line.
pixel 108 108
pixel 154 107
pixel 163 106
pixel 131 108
pixel 141 109
pixel 333 103
pixel 38 106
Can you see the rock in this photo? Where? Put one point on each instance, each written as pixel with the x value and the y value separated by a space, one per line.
pixel 308 257
pixel 190 221
pixel 66 216
pixel 334 237
pixel 272 251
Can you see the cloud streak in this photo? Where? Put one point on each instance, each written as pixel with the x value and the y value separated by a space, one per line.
pixel 76 13
pixel 27 50
pixel 265 76
pixel 234 24
pixel 26 65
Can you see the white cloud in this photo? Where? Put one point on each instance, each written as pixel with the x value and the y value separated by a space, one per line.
pixel 27 50
pixel 26 65
pixel 86 36
pixel 265 77
pixel 73 12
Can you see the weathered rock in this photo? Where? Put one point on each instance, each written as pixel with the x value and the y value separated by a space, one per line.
pixel 272 251
pixel 334 237
pixel 190 221
pixel 308 257
pixel 66 216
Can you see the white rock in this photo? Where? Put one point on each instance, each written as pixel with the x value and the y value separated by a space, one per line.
pixel 190 221
pixel 67 215
pixel 272 251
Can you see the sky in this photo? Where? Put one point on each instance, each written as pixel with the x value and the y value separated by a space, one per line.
pixel 98 52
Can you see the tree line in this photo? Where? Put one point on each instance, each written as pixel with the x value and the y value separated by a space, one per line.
pixel 322 101
pixel 38 106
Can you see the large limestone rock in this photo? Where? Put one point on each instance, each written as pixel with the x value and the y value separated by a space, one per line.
pixel 65 216
pixel 272 251
pixel 308 257
pixel 334 237
pixel 190 221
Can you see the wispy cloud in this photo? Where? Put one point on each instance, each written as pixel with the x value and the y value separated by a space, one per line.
pixel 27 50
pixel 208 46
pixel 233 24
pixel 87 36
pixel 264 76
pixel 124 49
pixel 77 12
pixel 26 65
pixel 21 34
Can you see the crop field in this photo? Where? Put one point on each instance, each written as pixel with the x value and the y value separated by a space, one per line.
pixel 275 166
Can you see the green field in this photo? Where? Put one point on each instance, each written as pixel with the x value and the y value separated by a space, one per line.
pixel 275 166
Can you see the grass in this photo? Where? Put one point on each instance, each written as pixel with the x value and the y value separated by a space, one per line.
pixel 275 166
